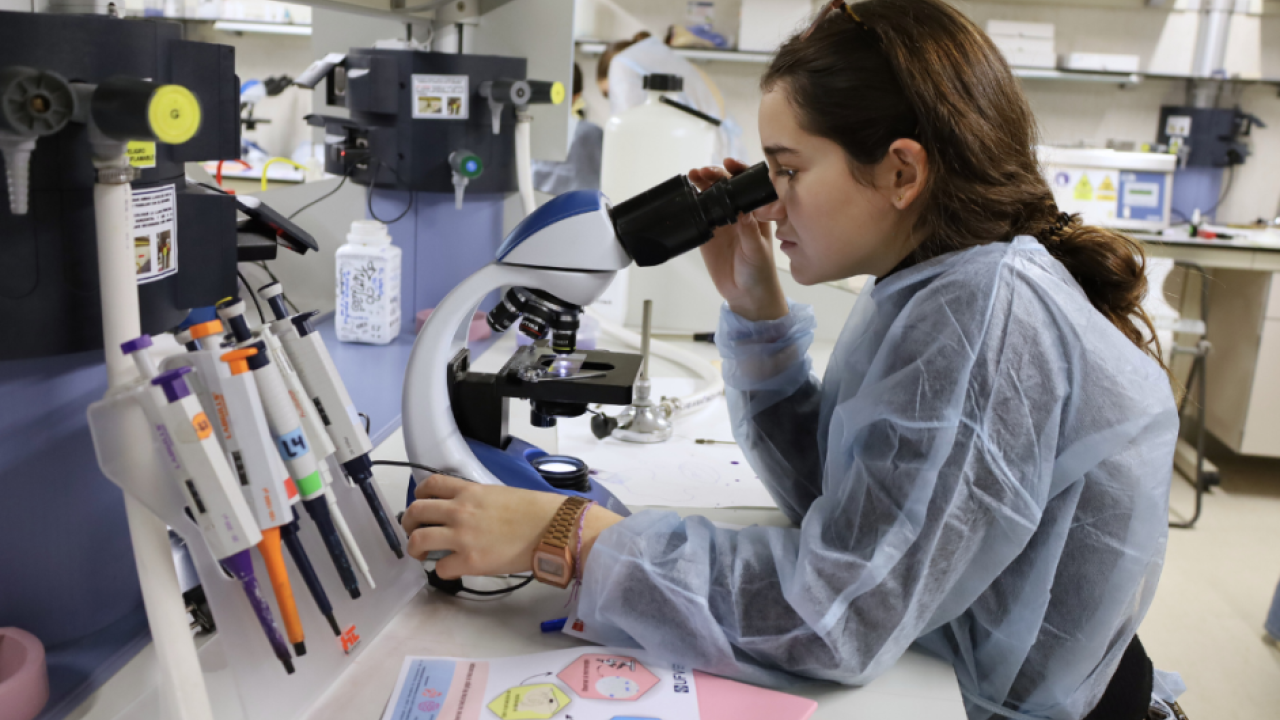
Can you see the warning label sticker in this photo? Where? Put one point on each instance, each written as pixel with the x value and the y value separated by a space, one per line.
pixel 1084 189
pixel 155 232
pixel 142 154
pixel 440 97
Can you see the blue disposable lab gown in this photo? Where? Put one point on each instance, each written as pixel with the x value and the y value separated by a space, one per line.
pixel 984 469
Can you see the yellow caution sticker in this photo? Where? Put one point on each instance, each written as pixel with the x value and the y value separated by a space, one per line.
pixel 1106 190
pixel 557 93
pixel 1084 189
pixel 174 114
pixel 142 154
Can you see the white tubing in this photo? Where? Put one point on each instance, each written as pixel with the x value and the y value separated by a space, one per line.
pixel 713 381
pixel 524 162
pixel 182 689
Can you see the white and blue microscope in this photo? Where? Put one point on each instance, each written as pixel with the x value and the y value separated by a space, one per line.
pixel 560 258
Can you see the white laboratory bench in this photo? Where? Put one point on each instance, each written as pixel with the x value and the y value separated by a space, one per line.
pixel 432 624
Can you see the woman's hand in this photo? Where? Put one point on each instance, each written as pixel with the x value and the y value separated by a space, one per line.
pixel 491 529
pixel 740 257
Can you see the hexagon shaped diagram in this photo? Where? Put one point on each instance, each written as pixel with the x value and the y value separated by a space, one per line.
pixel 608 677
pixel 530 702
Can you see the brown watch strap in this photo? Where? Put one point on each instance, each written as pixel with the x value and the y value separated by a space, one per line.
pixel 565 522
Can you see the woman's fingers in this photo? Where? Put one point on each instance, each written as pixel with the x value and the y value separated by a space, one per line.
pixel 427 539
pixel 703 178
pixel 735 166
pixel 426 512
pixel 439 486
pixel 452 567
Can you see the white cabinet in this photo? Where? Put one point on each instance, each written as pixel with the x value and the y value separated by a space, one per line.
pixel 1243 404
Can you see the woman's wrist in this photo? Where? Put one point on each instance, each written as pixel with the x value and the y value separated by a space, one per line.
pixel 762 309
pixel 596 521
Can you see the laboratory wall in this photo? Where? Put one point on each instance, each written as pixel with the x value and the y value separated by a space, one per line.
pixel 1069 112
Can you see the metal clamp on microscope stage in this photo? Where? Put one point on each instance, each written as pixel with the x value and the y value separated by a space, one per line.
pixel 559 259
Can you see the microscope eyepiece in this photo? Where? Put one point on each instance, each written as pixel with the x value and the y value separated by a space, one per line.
pixel 672 218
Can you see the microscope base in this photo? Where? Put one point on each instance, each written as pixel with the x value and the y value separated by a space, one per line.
pixel 512 466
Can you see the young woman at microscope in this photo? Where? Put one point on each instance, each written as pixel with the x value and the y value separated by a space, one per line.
pixel 984 468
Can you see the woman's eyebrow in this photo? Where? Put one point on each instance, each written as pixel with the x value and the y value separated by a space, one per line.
pixel 775 150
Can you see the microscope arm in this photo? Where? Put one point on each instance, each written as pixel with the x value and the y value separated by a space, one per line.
pixel 431 433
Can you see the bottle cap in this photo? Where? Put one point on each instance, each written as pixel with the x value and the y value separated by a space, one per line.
pixel 132 346
pixel 174 386
pixel 368 232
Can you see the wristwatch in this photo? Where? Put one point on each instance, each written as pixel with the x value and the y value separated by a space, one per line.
pixel 553 559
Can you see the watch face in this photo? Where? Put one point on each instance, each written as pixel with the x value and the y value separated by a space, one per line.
pixel 550 567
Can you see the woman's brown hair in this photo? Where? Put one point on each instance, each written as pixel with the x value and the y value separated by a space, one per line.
pixel 888 69
pixel 606 58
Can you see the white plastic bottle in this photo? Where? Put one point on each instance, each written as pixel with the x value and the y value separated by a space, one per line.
pixel 644 146
pixel 368 268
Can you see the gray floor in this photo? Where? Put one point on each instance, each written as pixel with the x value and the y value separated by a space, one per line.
pixel 1206 621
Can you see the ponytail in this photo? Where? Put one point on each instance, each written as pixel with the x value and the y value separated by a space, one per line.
pixel 1111 269
pixel 919 69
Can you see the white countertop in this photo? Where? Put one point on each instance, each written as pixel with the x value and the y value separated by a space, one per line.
pixel 433 624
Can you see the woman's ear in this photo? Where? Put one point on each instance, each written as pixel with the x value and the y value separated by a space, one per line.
pixel 906 166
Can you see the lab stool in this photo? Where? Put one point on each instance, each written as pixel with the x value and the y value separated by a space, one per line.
pixel 1190 461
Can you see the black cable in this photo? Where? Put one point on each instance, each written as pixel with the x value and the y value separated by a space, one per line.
pixel 369 196
pixel 252 296
pixel 416 466
pixel 454 587
pixel 325 196
pixel 1231 180
pixel 366 422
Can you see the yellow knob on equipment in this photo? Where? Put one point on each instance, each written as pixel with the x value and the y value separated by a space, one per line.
pixel 174 114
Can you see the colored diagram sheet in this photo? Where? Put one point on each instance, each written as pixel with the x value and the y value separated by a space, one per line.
pixel 586 683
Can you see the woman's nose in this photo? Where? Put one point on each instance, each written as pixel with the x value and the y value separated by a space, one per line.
pixel 773 212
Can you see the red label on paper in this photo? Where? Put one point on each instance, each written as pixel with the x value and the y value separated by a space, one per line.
pixel 577 626
pixel 350 640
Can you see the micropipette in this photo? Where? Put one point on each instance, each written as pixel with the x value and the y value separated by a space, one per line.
pixel 321 445
pixel 197 461
pixel 288 531
pixel 294 449
pixel 230 394
pixel 320 378
pixel 313 430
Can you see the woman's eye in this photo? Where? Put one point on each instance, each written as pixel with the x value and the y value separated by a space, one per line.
pixel 783 172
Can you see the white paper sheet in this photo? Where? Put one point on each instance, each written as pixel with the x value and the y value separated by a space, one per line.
pixel 584 683
pixel 675 473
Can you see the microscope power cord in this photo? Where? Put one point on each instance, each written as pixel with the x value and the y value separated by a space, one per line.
pixel 453 587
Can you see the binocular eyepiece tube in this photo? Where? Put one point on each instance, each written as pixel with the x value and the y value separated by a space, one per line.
pixel 673 218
